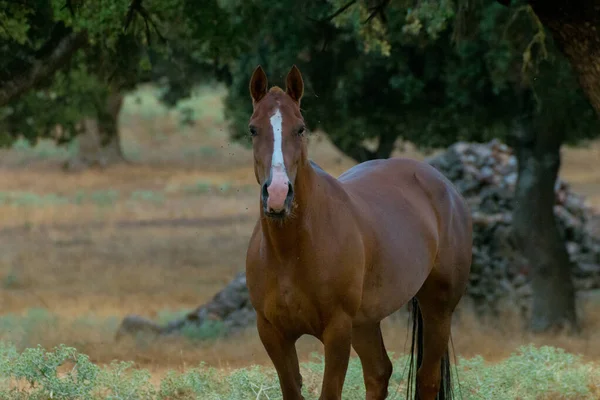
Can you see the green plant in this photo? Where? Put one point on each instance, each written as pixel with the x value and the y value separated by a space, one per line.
pixel 147 196
pixel 199 187
pixel 207 330
pixel 528 374
pixel 105 198
pixel 11 279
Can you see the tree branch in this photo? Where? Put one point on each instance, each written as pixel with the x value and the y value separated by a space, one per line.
pixel 69 5
pixel 379 9
pixel 136 7
pixel 42 68
pixel 336 13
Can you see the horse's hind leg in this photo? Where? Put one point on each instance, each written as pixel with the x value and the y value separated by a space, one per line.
pixel 436 334
pixel 437 300
pixel 377 367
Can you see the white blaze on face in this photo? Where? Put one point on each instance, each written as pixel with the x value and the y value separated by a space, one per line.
pixel 277 125
pixel 279 186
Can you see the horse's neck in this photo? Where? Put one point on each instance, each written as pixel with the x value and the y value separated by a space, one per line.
pixel 285 237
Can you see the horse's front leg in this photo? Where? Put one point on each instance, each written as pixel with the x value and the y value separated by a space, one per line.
pixel 337 340
pixel 282 351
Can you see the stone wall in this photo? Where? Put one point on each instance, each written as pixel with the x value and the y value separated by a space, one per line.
pixel 486 175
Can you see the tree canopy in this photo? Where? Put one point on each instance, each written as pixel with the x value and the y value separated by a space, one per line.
pixel 409 78
pixel 60 59
pixel 376 71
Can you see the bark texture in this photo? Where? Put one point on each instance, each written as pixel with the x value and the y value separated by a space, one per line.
pixel 575 27
pixel 100 143
pixel 536 230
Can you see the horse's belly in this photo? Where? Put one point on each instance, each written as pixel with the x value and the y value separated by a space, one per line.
pixel 392 281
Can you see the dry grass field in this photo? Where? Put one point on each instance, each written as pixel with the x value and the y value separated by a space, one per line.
pixel 164 234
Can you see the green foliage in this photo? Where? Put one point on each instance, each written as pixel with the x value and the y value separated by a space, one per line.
pixel 21 329
pixel 367 83
pixel 207 330
pixel 147 196
pixel 64 373
pixel 176 43
pixel 195 383
pixel 40 370
pixel 14 22
pixel 120 381
pixel 408 78
pixel 74 94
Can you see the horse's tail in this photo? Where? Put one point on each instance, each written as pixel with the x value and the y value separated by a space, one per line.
pixel 416 347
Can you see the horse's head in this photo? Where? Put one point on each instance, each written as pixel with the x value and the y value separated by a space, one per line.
pixel 278 142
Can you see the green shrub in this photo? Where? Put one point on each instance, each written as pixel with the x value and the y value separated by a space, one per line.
pixel 63 373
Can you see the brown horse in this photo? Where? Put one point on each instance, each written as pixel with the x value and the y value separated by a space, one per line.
pixel 333 257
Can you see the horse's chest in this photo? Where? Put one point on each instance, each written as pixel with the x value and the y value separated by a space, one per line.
pixel 290 307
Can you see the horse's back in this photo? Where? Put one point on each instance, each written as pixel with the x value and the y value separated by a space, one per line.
pixel 402 189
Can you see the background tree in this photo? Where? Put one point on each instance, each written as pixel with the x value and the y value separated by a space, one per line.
pixel 574 28
pixel 66 65
pixel 403 76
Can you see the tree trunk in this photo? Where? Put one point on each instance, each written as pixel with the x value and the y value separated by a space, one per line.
pixel 536 230
pixel 353 148
pixel 109 128
pixel 575 27
pixel 100 144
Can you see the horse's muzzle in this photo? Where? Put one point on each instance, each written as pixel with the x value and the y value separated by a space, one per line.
pixel 277 197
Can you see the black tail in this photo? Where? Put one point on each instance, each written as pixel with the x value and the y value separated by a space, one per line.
pixel 445 392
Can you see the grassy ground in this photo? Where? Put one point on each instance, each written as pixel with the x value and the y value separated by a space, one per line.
pixel 157 238
pixel 529 373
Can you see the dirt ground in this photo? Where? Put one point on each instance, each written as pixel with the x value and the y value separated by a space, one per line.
pixel 164 234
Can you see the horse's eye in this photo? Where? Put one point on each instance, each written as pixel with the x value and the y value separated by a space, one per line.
pixel 252 131
pixel 301 131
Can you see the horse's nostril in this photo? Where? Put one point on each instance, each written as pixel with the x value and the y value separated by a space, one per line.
pixel 290 190
pixel 265 191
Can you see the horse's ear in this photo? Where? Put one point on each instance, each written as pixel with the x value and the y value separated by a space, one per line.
pixel 294 85
pixel 258 84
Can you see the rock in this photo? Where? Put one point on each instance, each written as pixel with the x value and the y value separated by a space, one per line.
pixel 511 179
pixel 134 324
pixel 589 269
pixel 573 249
